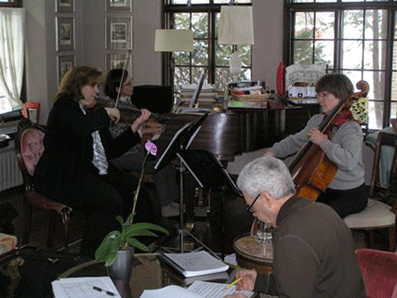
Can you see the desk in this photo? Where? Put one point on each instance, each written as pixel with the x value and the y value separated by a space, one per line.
pixel 148 272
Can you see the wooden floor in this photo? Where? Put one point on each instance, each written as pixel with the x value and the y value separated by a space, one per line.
pixel 207 229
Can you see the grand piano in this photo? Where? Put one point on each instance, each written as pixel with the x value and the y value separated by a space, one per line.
pixel 232 133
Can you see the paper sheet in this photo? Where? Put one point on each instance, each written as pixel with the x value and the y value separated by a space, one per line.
pixel 215 290
pixel 83 287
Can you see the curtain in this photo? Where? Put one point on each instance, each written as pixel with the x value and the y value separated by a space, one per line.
pixel 12 44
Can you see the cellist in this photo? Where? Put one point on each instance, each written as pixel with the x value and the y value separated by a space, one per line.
pixel 347 192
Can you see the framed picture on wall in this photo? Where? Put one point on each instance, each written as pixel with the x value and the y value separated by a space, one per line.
pixel 118 5
pixel 65 5
pixel 65 34
pixel 119 32
pixel 65 63
pixel 113 61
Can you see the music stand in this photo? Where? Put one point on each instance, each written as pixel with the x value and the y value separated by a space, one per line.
pixel 209 173
pixel 181 141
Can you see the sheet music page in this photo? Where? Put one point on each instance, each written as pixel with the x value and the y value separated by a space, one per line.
pixel 77 287
pixel 169 292
pixel 214 290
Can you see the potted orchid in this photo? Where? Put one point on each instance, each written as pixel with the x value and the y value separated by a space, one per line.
pixel 124 241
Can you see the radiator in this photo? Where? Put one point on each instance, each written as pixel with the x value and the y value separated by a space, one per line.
pixel 10 174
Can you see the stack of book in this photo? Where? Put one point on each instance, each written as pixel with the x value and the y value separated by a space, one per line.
pixel 207 94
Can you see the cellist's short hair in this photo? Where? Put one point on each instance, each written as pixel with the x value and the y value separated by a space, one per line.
pixel 266 173
pixel 337 84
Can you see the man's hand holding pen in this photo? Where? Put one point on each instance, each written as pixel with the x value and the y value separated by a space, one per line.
pixel 246 282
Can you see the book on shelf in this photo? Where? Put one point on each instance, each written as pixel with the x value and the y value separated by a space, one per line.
pixel 194 263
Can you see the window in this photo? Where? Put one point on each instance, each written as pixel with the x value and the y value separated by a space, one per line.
pixel 352 37
pixel 202 16
pixel 5 104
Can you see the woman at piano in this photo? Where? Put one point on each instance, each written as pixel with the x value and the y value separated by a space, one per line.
pixel 347 192
pixel 75 168
pixel 165 179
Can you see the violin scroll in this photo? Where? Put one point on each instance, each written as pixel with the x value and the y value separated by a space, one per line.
pixel 364 87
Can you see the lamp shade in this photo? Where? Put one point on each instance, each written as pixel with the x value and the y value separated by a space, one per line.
pixel 236 25
pixel 171 40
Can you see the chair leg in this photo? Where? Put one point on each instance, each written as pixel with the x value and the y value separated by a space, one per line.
pixel 392 238
pixel 66 223
pixel 51 229
pixel 28 225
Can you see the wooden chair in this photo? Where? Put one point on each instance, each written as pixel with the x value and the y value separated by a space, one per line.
pixel 381 209
pixel 29 148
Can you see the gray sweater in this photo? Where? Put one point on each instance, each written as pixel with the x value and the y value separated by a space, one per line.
pixel 345 150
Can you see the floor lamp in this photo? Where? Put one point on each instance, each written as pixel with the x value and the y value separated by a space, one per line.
pixel 236 27
pixel 172 40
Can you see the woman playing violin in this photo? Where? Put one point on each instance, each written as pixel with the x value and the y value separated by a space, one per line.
pixel 347 192
pixel 74 168
pixel 164 179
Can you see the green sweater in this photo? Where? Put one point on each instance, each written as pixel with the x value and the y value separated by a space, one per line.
pixel 313 254
pixel 345 150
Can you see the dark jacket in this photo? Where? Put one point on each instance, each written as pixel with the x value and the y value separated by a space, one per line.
pixel 69 147
pixel 313 254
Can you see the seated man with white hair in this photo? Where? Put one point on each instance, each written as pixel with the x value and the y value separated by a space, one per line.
pixel 313 248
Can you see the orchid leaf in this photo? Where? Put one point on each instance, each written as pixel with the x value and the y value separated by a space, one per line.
pixel 136 243
pixel 140 233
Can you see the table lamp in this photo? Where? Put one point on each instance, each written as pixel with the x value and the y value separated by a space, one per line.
pixel 236 27
pixel 172 40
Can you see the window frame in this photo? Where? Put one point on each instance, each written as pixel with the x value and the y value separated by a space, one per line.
pixel 168 9
pixel 291 8
pixel 12 3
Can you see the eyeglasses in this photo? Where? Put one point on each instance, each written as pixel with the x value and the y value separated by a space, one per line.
pixel 249 208
pixel 323 94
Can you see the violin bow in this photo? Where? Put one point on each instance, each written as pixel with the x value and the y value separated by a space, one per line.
pixel 122 78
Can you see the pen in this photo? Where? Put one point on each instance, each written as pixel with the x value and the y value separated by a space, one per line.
pixel 102 290
pixel 233 283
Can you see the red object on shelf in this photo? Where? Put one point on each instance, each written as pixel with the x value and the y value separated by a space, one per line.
pixel 31 110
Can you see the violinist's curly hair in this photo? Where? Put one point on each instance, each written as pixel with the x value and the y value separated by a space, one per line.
pixel 337 84
pixel 113 81
pixel 76 78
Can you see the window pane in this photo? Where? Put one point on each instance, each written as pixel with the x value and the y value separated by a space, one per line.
pixel 182 58
pixel 200 1
pixel 221 1
pixel 222 78
pixel 200 52
pixel 223 54
pixel 304 25
pixel 303 1
pixel 196 74
pixel 182 21
pixel 200 25
pixel 374 54
pixel 182 76
pixel 324 53
pixel 353 24
pixel 376 81
pixel 394 86
pixel 375 24
pixel 329 1
pixel 352 54
pixel 375 114
pixel 325 25
pixel 245 55
pixel 393 110
pixel 303 52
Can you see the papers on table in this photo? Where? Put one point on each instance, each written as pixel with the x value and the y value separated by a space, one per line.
pixel 194 263
pixel 78 287
pixel 199 289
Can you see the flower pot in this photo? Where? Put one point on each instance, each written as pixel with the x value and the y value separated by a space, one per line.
pixel 120 270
